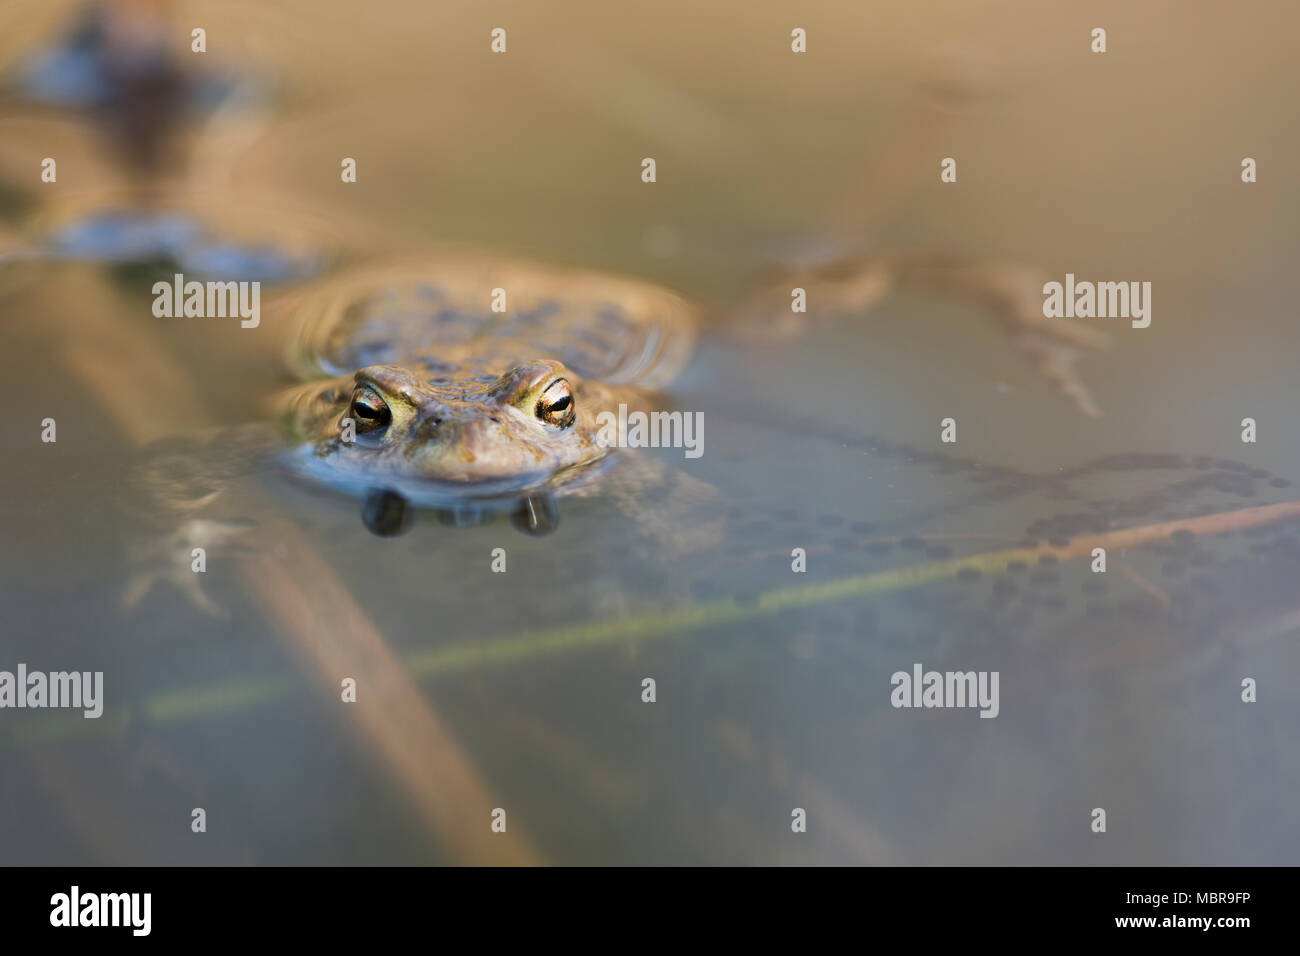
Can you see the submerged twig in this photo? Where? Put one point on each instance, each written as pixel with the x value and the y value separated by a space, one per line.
pixel 334 636
pixel 315 609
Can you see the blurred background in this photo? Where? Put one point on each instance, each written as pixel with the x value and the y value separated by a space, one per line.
pixel 522 691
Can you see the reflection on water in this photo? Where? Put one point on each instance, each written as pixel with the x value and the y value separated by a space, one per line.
pixel 522 688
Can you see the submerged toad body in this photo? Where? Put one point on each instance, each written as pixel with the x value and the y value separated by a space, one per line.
pixel 438 398
pixel 418 392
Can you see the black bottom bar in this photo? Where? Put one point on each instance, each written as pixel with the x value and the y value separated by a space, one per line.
pixel 331 905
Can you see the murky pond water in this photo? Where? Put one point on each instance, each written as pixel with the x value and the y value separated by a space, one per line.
pixel 523 690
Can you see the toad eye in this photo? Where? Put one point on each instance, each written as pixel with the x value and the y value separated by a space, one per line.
pixel 555 407
pixel 369 410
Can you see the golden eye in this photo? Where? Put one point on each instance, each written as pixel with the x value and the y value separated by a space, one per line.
pixel 555 407
pixel 369 410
